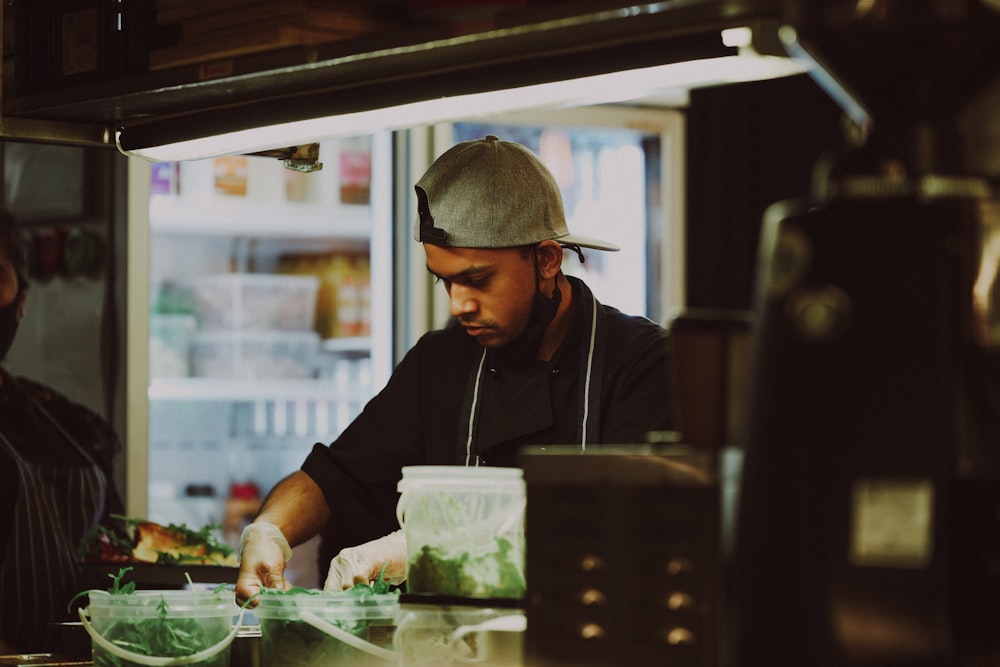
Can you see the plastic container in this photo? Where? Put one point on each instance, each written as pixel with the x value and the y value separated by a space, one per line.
pixel 321 628
pixel 464 530
pixel 442 632
pixel 255 354
pixel 170 338
pixel 255 301
pixel 131 630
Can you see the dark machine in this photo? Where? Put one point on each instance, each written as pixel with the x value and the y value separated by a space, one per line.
pixel 868 527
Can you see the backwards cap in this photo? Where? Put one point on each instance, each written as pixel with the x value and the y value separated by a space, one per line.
pixel 489 193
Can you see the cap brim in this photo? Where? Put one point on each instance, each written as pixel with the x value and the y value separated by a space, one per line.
pixel 584 242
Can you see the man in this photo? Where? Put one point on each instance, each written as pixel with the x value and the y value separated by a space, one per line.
pixel 55 481
pixel 533 358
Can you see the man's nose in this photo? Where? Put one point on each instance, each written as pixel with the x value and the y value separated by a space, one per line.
pixel 462 302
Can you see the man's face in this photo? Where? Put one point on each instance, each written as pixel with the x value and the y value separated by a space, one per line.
pixel 491 291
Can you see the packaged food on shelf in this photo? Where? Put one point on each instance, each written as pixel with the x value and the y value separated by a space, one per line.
pixel 248 354
pixel 170 344
pixel 255 301
pixel 343 301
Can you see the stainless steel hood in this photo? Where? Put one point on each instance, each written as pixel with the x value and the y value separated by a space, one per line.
pixel 532 45
pixel 527 46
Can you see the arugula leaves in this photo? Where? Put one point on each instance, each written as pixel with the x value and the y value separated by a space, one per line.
pixel 116 583
pixel 492 575
pixel 294 643
pixel 162 635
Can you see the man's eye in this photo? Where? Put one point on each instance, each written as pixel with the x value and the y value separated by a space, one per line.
pixel 464 281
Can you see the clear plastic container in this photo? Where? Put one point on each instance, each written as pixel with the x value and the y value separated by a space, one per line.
pixel 320 628
pixel 170 338
pixel 255 301
pixel 445 633
pixel 464 530
pixel 255 354
pixel 130 630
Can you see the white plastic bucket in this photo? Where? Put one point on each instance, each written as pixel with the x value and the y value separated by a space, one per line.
pixel 437 632
pixel 161 628
pixel 464 530
pixel 320 628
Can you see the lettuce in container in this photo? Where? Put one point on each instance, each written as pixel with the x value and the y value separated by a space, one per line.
pixel 132 628
pixel 312 628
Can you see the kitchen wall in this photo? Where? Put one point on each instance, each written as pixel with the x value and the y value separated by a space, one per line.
pixel 748 146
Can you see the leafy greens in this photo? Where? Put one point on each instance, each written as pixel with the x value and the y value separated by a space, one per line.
pixel 162 635
pixel 291 642
pixel 495 574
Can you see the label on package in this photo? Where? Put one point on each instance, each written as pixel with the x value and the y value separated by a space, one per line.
pixel 892 523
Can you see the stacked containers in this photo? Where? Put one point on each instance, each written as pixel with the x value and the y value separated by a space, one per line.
pixel 255 326
pixel 309 628
pixel 464 531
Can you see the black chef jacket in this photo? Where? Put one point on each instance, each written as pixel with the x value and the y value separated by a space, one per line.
pixel 452 402
pixel 55 485
pixel 39 441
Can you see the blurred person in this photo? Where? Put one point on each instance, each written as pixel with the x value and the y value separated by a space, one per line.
pixel 531 358
pixel 55 480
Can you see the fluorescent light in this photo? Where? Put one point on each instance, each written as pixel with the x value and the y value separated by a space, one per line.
pixel 600 89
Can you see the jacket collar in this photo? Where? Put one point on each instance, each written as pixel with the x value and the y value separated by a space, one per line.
pixel 524 391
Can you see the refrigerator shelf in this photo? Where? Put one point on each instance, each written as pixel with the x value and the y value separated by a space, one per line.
pixel 348 345
pixel 175 215
pixel 228 390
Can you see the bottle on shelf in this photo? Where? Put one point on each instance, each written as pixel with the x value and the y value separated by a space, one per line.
pixel 241 506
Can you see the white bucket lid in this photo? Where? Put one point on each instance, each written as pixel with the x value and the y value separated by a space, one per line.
pixel 479 477
pixel 331 605
pixel 146 603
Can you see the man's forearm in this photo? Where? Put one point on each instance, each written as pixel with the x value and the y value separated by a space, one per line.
pixel 297 506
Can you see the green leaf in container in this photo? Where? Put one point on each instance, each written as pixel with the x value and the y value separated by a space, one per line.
pixel 288 641
pixel 494 574
pixel 161 635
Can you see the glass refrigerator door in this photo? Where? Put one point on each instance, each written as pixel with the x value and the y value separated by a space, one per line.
pixel 269 324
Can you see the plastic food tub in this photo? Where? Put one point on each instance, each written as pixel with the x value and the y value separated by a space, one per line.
pixel 321 628
pixel 464 530
pixel 255 301
pixel 255 354
pixel 442 631
pixel 158 628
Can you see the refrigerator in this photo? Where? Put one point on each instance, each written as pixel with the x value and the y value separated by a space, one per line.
pixel 259 301
pixel 219 437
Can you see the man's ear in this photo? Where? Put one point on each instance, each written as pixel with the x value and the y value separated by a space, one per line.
pixel 550 256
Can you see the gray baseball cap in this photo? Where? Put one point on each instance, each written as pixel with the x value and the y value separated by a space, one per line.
pixel 489 193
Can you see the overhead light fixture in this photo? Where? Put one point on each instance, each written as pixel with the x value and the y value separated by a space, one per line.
pixel 635 84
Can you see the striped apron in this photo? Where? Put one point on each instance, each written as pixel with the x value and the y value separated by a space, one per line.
pixel 56 507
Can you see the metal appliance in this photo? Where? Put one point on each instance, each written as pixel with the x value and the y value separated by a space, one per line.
pixel 622 563
pixel 869 512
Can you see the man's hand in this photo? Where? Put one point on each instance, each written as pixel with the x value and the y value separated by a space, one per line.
pixel 362 564
pixel 264 551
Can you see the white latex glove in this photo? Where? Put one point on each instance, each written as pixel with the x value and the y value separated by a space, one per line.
pixel 362 564
pixel 264 552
